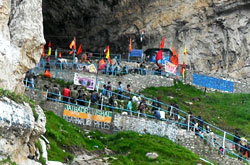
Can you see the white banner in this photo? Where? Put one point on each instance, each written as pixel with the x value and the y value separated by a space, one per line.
pixel 171 68
pixel 88 82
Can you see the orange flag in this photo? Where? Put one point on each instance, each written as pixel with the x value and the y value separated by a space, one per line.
pixel 102 64
pixel 60 55
pixel 130 45
pixel 162 42
pixel 73 44
pixel 79 49
pixel 49 44
pixel 175 58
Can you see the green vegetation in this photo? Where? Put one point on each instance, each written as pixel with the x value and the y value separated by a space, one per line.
pixel 225 110
pixel 19 99
pixel 128 147
pixel 7 161
pixel 60 82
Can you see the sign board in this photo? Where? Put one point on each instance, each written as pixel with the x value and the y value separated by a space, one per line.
pixel 136 53
pixel 170 68
pixel 211 82
pixel 88 82
pixel 88 116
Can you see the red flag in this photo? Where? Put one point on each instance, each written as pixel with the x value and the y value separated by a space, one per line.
pixel 162 42
pixel 174 53
pixel 79 49
pixel 159 54
pixel 183 67
pixel 102 64
pixel 49 44
pixel 43 55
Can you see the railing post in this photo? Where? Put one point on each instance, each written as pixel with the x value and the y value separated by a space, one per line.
pixel 102 103
pixel 223 144
pixel 188 122
pixel 89 103
pixel 171 109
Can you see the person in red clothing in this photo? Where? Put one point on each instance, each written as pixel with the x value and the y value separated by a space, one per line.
pixel 66 94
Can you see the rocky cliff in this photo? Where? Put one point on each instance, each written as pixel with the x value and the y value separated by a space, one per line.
pixel 216 32
pixel 21 40
pixel 19 130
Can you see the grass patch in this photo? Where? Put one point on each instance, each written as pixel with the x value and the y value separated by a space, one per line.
pixel 7 161
pixel 129 147
pixel 224 110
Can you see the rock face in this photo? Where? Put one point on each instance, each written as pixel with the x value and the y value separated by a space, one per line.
pixel 216 32
pixel 19 130
pixel 21 40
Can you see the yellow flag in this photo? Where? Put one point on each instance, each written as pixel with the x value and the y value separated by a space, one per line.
pixel 185 51
pixel 49 53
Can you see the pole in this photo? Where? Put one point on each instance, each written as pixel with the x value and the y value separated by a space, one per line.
pixel 188 122
pixel 223 144
pixel 89 103
pixel 102 103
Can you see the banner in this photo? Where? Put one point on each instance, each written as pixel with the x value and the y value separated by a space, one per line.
pixel 88 82
pixel 92 68
pixel 88 116
pixel 171 68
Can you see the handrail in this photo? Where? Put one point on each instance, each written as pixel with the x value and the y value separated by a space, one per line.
pixel 150 116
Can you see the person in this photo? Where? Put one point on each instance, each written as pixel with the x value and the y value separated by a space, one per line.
pixel 55 93
pixel 129 106
pixel 236 140
pixel 47 66
pixel 120 90
pixel 111 103
pixel 141 108
pixel 129 90
pixel 157 107
pixel 66 94
pixel 94 97
pixel 75 62
pixel 109 89
pixel 47 74
pixel 136 99
pixel 81 98
pixel 74 95
pixel 104 91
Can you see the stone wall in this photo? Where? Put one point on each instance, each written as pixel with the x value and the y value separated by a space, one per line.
pixel 136 81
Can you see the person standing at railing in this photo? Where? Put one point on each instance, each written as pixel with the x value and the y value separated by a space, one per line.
pixel 56 93
pixel 111 103
pixel 74 95
pixel 104 91
pixel 156 108
pixel 66 94
pixel 129 90
pixel 109 89
pixel 129 106
pixel 142 108
pixel 81 98
pixel 236 140
pixel 120 90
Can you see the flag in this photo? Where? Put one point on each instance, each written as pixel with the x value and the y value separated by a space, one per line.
pixel 162 42
pixel 175 59
pixel 130 45
pixel 56 53
pixel 86 58
pixel 174 53
pixel 49 44
pixel 102 64
pixel 43 55
pixel 49 52
pixel 183 69
pixel 73 44
pixel 107 53
pixel 60 55
pixel 185 51
pixel 79 49
pixel 159 54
